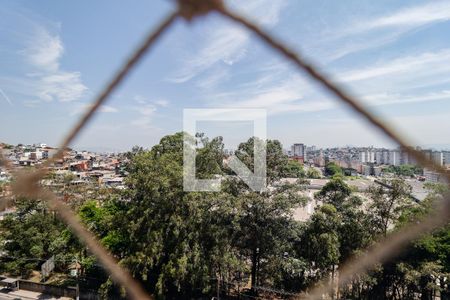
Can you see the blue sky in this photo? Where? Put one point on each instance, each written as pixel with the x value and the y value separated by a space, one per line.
pixel 56 56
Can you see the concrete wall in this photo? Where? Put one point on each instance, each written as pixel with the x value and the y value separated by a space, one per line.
pixel 56 290
pixel 47 289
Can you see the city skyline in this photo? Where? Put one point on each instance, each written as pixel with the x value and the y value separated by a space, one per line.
pixel 53 66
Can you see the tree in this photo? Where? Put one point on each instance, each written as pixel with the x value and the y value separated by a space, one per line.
pixel 336 231
pixel 266 217
pixel 404 170
pixel 334 192
pixel 321 240
pixel 265 227
pixel 31 235
pixel 332 169
pixel 178 240
pixel 313 173
pixel 427 260
pixel 387 203
pixel 293 169
pixel 209 161
pixel 276 160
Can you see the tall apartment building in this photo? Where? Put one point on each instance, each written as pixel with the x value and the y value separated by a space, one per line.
pixel 382 157
pixel 438 157
pixel 385 157
pixel 367 156
pixel 405 158
pixel 394 157
pixel 311 148
pixel 428 153
pixel 379 158
pixel 446 156
pixel 298 152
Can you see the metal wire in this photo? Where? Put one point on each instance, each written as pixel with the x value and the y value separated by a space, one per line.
pixel 391 246
pixel 27 184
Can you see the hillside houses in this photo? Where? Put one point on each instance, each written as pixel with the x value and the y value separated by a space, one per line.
pixel 74 168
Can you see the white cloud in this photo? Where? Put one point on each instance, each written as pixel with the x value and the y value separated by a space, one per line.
pixel 162 102
pixel 431 62
pixel 145 101
pixel 2 93
pixel 275 88
pixel 395 98
pixel 44 79
pixel 44 50
pixel 415 16
pixel 280 90
pixel 227 44
pixel 415 78
pixel 146 110
pixel 372 32
pixel 81 108
pixel 61 86
pixel 213 78
pixel 224 45
pixel 140 99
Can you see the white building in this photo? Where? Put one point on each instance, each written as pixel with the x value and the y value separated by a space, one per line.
pixel 385 157
pixel 394 158
pixel 446 156
pixel 433 176
pixel 298 150
pixel 379 157
pixel 405 158
pixel 438 158
pixel 367 156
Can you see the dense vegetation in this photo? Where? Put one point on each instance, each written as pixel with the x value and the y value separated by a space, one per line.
pixel 332 169
pixel 404 170
pixel 183 245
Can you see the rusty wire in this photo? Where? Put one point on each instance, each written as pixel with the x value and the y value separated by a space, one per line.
pixel 117 79
pixel 27 184
pixel 391 246
pixel 118 274
pixel 388 248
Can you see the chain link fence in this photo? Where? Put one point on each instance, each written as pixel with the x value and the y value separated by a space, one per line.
pixel 27 184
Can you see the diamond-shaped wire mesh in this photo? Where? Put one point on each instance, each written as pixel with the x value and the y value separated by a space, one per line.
pixel 27 184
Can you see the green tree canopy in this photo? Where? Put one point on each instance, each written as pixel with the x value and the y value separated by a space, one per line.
pixel 332 169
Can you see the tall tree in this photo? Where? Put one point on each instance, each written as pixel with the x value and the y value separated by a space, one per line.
pixel 178 240
pixel 266 224
pixel 387 203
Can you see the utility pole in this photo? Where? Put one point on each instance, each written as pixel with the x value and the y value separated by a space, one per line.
pixel 78 281
pixel 218 288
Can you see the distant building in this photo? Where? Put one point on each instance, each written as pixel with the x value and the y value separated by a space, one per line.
pixel 311 149
pixel 428 154
pixel 394 158
pixel 367 156
pixel 433 176
pixel 446 157
pixel 379 159
pixel 438 158
pixel 37 155
pixel 366 170
pixel 376 171
pixel 405 158
pixel 298 152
